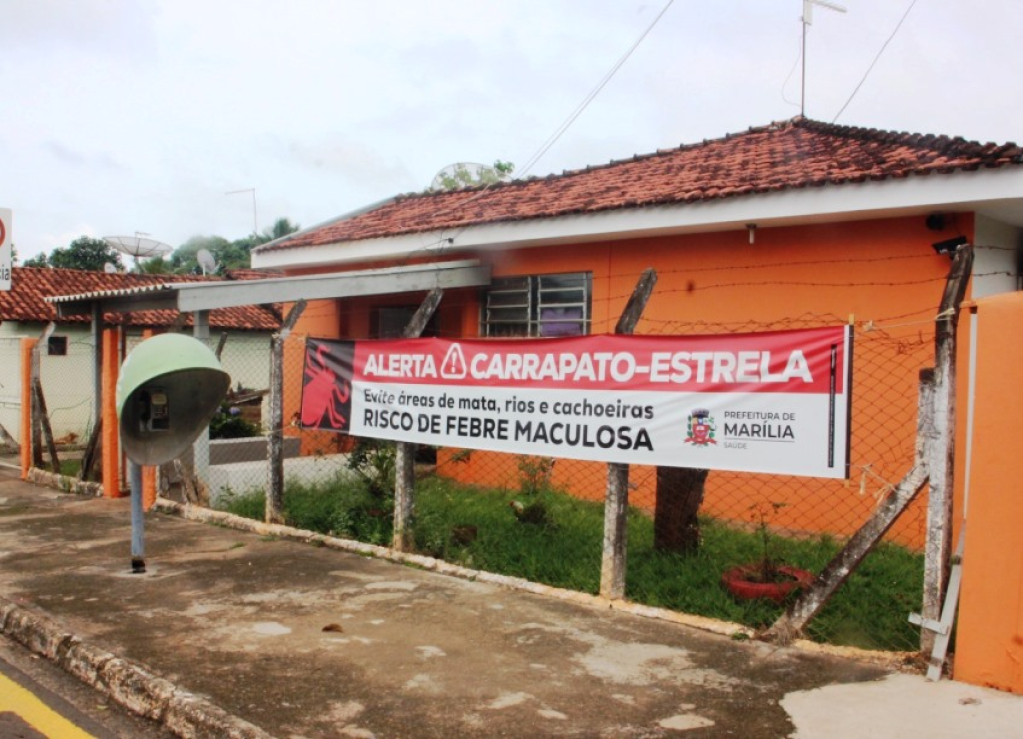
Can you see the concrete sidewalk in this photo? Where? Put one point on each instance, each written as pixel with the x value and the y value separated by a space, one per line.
pixel 230 633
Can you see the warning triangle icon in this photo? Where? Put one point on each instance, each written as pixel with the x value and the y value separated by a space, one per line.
pixel 453 367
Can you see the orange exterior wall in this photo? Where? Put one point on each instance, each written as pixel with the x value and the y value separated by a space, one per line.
pixel 111 428
pixel 883 271
pixel 880 271
pixel 989 641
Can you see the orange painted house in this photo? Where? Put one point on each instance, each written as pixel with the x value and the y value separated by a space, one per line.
pixel 794 224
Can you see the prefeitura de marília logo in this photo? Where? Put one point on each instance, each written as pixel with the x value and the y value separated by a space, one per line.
pixel 700 428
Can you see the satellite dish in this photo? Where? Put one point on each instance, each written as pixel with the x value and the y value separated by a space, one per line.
pixel 206 261
pixel 138 246
pixel 110 268
pixel 466 174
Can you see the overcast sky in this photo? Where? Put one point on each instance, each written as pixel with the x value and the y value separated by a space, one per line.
pixel 120 116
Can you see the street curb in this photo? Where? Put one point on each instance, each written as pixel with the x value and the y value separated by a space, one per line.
pixel 64 483
pixel 431 564
pixel 128 683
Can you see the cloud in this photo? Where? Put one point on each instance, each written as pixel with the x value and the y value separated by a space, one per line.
pixel 350 161
pixel 111 28
pixel 75 158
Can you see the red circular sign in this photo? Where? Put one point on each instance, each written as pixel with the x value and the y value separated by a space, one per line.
pixel 3 232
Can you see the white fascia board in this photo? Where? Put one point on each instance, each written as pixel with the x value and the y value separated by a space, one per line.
pixel 999 190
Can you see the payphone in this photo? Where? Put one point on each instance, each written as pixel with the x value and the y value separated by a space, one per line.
pixel 170 387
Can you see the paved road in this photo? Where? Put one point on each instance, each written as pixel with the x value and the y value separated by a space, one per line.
pixel 39 700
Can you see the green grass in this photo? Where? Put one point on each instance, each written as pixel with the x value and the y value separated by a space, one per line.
pixel 869 611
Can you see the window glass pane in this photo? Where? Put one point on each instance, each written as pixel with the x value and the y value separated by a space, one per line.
pixel 508 330
pixel 519 299
pixel 561 322
pixel 562 297
pixel 541 305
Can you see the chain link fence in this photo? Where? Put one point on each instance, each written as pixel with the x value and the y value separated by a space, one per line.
pixel 542 518
pixel 10 399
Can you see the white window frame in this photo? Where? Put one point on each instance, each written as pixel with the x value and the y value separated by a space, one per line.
pixel 548 305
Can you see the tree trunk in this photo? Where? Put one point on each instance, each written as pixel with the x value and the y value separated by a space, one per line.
pixel 679 495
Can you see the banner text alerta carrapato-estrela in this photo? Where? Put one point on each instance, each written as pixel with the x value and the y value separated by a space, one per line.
pixel 774 402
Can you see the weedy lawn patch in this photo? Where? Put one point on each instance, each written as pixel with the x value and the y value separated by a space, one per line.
pixel 553 538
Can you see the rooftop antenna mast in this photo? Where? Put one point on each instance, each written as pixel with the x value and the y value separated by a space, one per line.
pixel 808 21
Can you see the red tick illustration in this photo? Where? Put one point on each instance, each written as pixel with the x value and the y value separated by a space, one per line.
pixel 323 395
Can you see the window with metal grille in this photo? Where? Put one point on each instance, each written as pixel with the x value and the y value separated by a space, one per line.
pixel 538 305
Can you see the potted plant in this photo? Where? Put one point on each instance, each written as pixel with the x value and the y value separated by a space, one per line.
pixel 767 577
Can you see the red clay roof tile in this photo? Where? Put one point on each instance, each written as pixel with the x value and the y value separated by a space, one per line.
pixel 30 286
pixel 787 155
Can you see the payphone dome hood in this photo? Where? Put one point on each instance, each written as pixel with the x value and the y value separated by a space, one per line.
pixel 190 375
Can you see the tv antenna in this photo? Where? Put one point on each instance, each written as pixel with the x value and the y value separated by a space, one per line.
pixel 808 21
pixel 138 246
pixel 255 227
pixel 466 174
pixel 206 261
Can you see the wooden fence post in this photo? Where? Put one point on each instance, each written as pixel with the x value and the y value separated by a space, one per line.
pixel 404 452
pixel 41 428
pixel 810 602
pixel 616 502
pixel 941 456
pixel 274 512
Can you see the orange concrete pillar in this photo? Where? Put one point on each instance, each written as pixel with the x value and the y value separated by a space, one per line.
pixel 989 640
pixel 148 473
pixel 26 405
pixel 111 430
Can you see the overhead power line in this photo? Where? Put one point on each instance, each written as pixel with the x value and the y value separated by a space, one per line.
pixel 560 130
pixel 871 67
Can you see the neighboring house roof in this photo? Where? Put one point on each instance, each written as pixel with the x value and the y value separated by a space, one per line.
pixel 785 156
pixel 30 286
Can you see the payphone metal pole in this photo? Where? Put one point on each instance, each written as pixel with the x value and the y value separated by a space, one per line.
pixel 138 523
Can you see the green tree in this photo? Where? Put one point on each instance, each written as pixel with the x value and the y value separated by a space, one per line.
pixel 39 260
pixel 156 266
pixel 84 252
pixel 228 254
pixel 184 260
pixel 281 227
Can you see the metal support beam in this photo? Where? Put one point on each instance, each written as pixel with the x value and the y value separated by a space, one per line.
pixel 138 524
pixel 201 447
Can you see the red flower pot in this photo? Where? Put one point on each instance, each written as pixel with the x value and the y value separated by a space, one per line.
pixel 741 582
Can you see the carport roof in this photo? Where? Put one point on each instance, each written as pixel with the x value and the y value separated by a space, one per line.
pixel 202 296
